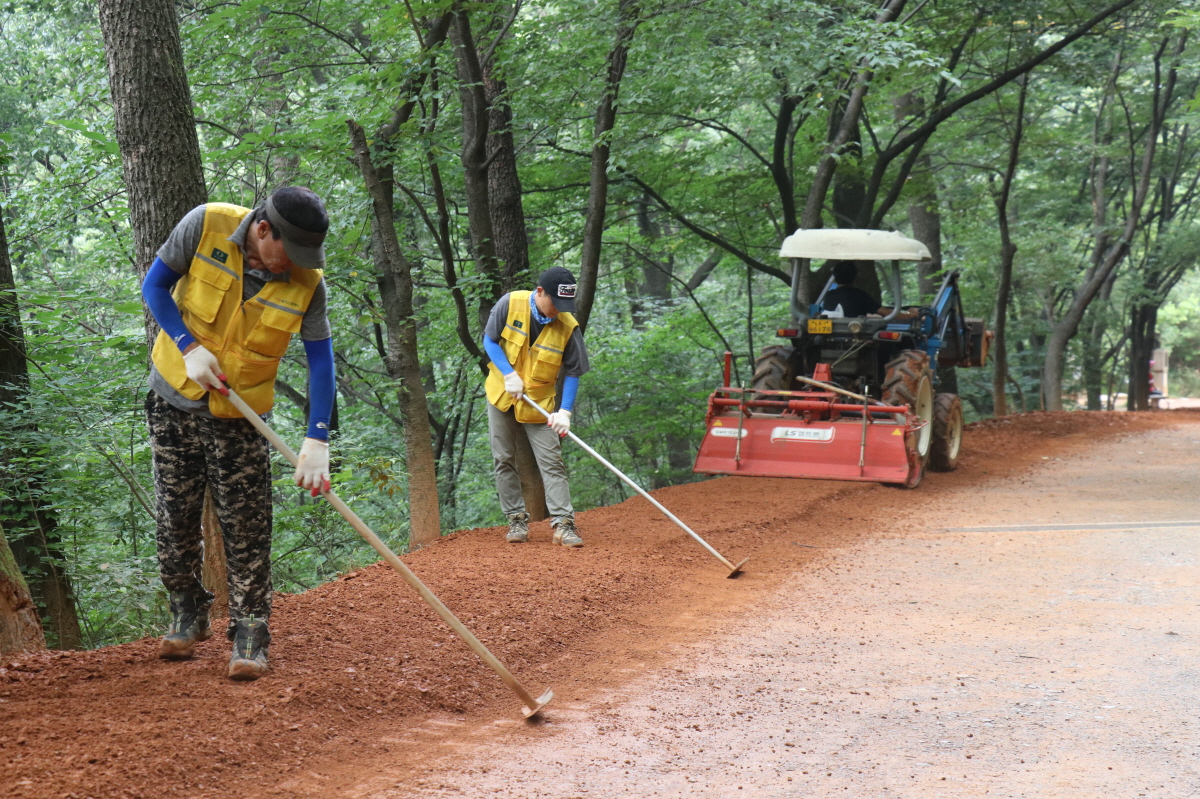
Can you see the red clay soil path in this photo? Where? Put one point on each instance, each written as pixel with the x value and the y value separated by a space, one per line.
pixel 371 694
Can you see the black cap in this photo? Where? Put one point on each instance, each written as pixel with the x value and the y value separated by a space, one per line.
pixel 299 215
pixel 560 285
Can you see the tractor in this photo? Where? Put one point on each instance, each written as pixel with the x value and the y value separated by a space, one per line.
pixel 866 398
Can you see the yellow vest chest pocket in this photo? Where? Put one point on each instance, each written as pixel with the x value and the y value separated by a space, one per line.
pixel 206 290
pixel 273 331
pixel 545 365
pixel 512 342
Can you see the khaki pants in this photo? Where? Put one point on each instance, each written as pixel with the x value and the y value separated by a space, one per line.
pixel 503 429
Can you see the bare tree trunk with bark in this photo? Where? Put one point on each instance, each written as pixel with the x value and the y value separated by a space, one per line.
pixel 28 521
pixel 496 223
pixel 20 622
pixel 475 161
pixel 1008 253
pixel 403 358
pixel 504 188
pixel 605 120
pixel 840 135
pixel 20 627
pixel 160 152
pixel 156 129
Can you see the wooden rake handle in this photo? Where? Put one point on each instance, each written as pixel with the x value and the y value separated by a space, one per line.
pixel 531 705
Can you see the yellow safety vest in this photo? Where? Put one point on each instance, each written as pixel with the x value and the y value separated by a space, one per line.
pixel 538 365
pixel 249 338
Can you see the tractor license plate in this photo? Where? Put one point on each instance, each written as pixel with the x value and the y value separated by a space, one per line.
pixel 820 325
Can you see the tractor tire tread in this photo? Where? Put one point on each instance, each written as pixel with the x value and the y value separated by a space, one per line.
pixel 902 381
pixel 771 368
pixel 947 415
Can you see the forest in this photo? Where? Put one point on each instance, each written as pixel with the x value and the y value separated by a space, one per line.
pixel 659 149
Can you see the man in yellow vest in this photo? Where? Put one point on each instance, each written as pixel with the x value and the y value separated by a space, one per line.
pixel 532 336
pixel 229 288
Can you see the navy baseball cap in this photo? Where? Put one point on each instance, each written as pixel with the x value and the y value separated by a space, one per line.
pixel 560 285
pixel 299 215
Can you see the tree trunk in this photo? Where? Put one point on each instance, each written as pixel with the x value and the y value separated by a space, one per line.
pixel 840 134
pixel 156 130
pixel 214 570
pixel 504 189
pixel 1094 356
pixel 20 627
pixel 604 121
pixel 474 160
pixel 923 214
pixel 926 224
pixel 647 297
pixel 654 288
pixel 483 217
pixel 402 358
pixel 27 521
pixel 160 152
pixel 512 252
pixel 1008 252
pixel 1142 333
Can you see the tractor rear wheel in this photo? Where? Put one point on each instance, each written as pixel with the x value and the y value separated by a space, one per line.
pixel 947 433
pixel 909 381
pixel 772 372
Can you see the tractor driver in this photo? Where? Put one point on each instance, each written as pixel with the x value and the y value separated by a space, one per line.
pixel 846 297
pixel 850 300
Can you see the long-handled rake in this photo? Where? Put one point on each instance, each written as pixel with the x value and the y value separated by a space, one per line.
pixel 733 570
pixel 531 705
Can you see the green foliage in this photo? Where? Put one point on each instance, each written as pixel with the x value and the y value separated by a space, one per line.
pixel 273 85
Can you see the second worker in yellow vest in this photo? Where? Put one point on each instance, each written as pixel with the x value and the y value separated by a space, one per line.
pixel 532 338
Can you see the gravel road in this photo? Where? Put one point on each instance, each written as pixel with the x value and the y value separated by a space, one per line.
pixel 1036 637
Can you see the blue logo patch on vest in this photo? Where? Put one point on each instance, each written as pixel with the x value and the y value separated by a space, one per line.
pixel 517 323
pixel 220 255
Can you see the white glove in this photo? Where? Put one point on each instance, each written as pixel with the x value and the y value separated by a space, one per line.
pixel 513 384
pixel 203 368
pixel 560 421
pixel 312 467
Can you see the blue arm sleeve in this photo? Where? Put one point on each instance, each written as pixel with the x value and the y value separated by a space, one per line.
pixel 496 353
pixel 570 388
pixel 156 289
pixel 321 387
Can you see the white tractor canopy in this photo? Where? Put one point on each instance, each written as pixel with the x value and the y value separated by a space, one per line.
pixel 853 245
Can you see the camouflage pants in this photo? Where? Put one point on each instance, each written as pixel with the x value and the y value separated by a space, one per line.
pixel 192 453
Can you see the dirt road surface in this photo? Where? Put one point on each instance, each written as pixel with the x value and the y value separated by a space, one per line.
pixel 1024 627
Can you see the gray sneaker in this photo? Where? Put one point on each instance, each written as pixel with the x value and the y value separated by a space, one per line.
pixel 189 626
pixel 518 528
pixel 250 641
pixel 565 533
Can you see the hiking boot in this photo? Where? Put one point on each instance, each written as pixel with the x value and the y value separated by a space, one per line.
pixel 250 641
pixel 189 626
pixel 518 528
pixel 565 534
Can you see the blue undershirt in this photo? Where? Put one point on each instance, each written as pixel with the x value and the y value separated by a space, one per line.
pixel 322 386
